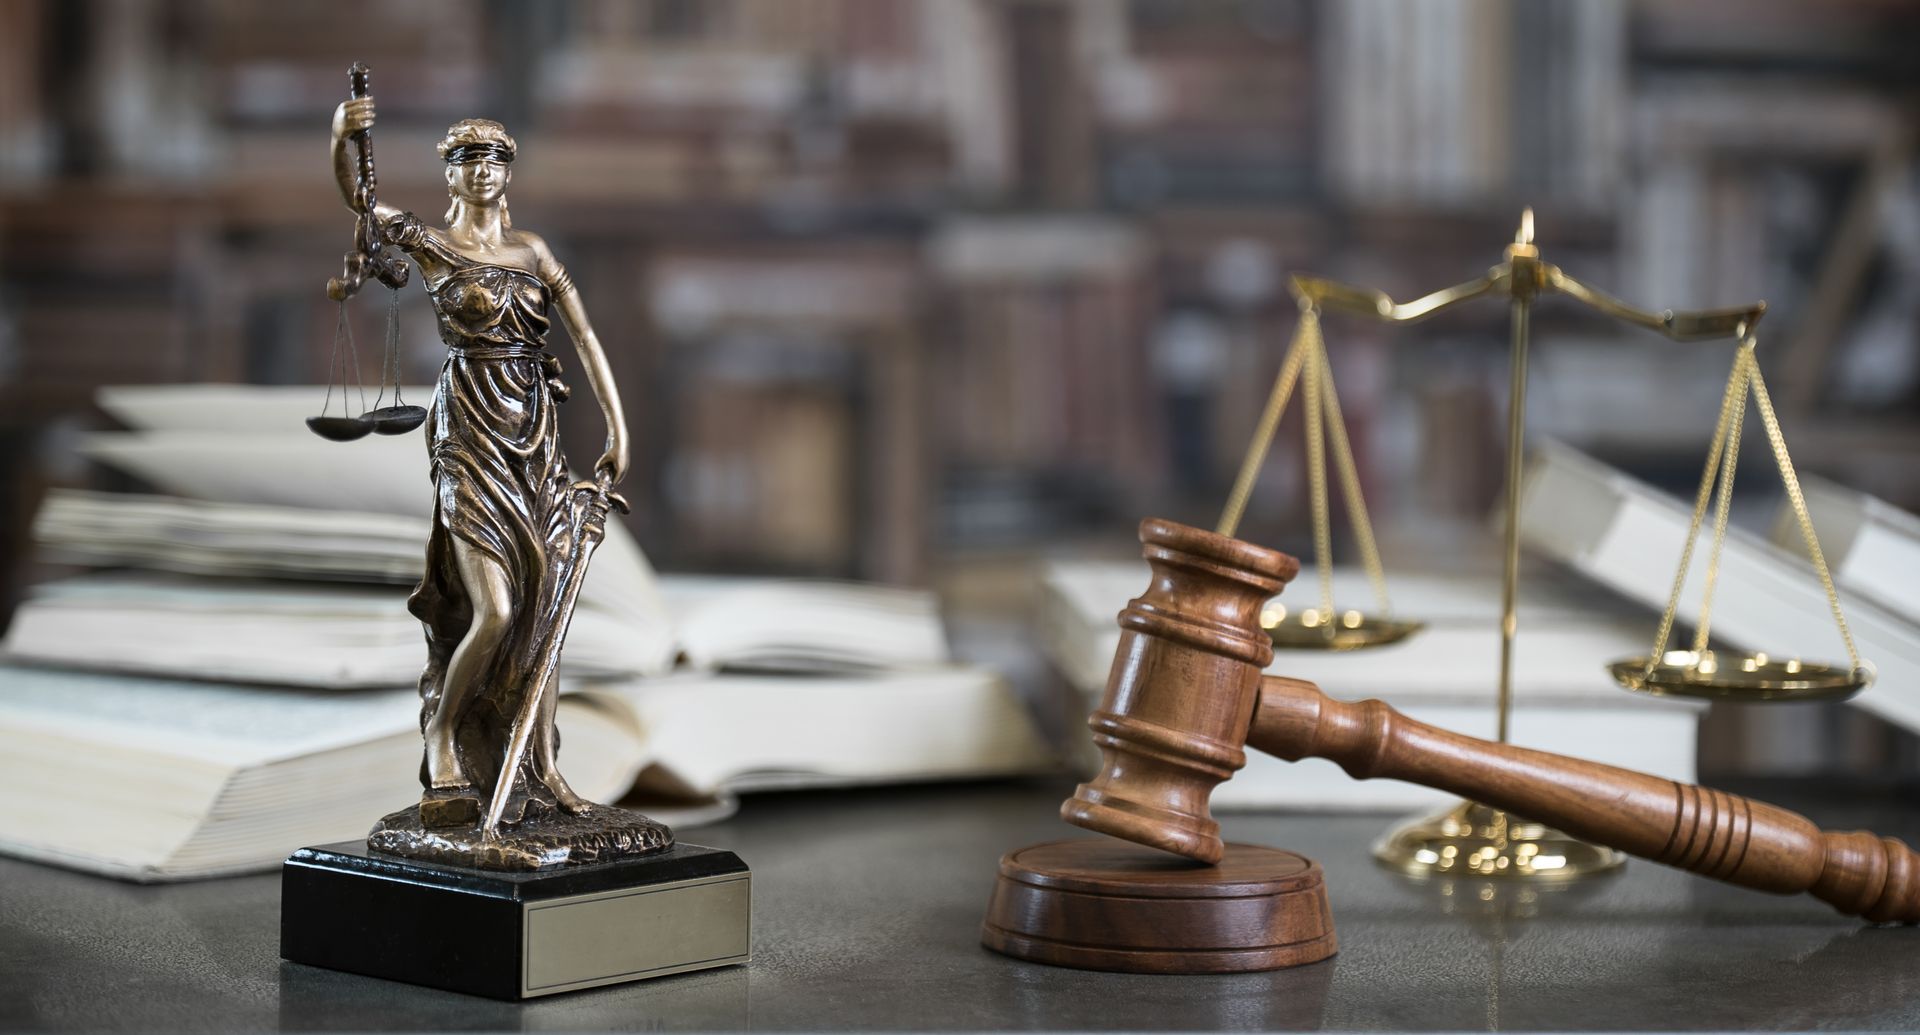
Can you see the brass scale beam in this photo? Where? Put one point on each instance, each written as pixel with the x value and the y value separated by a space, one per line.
pixel 1521 277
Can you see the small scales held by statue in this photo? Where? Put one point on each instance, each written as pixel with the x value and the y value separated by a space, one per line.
pixel 500 880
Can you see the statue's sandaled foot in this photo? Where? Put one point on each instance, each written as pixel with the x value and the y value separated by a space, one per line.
pixel 563 795
pixel 444 807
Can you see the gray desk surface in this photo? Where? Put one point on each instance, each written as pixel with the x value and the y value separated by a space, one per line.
pixel 866 911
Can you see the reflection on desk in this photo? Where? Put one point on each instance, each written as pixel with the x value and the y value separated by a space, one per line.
pixel 867 917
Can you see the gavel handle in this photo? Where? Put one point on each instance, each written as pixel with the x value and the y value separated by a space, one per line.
pixel 1718 835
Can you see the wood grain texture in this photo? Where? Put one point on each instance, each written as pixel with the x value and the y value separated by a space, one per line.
pixel 1101 904
pixel 1709 832
pixel 1186 697
pixel 1196 626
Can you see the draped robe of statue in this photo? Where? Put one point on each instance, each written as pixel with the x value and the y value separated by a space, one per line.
pixel 501 486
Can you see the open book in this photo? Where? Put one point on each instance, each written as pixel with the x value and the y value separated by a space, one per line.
pixel 344 635
pixel 802 625
pixel 713 622
pixel 165 780
pixel 320 635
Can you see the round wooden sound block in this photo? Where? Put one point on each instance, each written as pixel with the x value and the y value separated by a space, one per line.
pixel 1106 904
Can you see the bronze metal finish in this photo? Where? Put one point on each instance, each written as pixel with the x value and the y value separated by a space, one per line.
pixel 513 530
pixel 369 252
pixel 591 500
pixel 399 417
pixel 368 255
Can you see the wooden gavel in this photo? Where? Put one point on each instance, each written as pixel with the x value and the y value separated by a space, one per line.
pixel 1187 696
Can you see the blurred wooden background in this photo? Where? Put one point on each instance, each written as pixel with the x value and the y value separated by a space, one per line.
pixel 914 290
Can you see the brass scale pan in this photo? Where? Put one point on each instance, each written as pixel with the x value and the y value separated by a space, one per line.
pixel 1730 675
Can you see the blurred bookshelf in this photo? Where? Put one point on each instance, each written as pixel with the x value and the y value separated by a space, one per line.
pixel 890 284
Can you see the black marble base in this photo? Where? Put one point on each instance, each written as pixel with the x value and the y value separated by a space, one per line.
pixel 514 935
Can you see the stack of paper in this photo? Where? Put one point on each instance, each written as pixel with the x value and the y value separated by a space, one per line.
pixel 352 635
pixel 237 540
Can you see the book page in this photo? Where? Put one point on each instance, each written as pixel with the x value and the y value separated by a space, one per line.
pixel 380 474
pixel 234 725
pixel 275 464
pixel 805 625
pixel 720 731
pixel 283 633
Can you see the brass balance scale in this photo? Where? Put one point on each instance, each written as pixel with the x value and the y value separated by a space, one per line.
pixel 1473 840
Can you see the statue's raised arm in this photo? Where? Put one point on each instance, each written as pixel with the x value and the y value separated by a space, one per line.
pixel 353 121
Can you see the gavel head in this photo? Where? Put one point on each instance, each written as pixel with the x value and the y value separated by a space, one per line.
pixel 1173 723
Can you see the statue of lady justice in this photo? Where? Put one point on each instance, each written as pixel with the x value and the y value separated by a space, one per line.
pixel 512 531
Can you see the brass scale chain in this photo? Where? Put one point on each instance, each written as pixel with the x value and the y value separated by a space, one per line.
pixel 1723 454
pixel 1306 361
